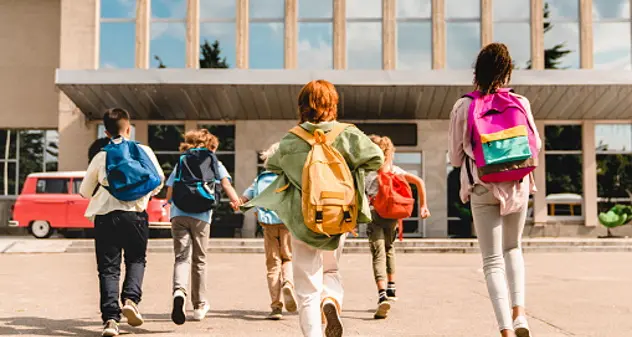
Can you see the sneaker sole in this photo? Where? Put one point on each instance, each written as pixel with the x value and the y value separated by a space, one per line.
pixel 289 300
pixel 133 318
pixel 178 315
pixel 109 333
pixel 333 324
pixel 274 318
pixel 523 332
pixel 382 310
pixel 392 299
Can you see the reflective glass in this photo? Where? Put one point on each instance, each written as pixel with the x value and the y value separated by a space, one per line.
pixel 213 9
pixel 562 9
pixel 613 137
pixel 517 37
pixel 315 9
pixel 563 137
pixel 167 45
pixel 414 45
pixel 514 10
pixel 266 46
pixel 169 9
pixel 267 9
pixel 567 35
pixel 118 8
pixel 224 34
pixel 611 9
pixel 117 45
pixel 612 45
pixel 564 174
pixel 463 42
pixel 315 49
pixel 414 8
pixel 364 45
pixel 462 9
pixel 364 8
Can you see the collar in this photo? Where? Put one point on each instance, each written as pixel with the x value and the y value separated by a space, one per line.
pixel 325 126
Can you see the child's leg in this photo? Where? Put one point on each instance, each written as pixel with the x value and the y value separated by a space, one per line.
pixel 286 254
pixel 390 232
pixel 308 284
pixel 273 264
pixel 200 231
pixel 331 275
pixel 378 254
pixel 135 230
pixel 182 250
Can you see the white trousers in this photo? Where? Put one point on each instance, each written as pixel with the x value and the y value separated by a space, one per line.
pixel 316 277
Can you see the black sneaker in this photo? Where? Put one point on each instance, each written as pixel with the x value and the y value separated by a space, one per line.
pixel 110 329
pixel 390 293
pixel 383 307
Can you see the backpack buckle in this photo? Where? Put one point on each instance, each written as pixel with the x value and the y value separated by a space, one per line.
pixel 346 214
pixel 319 217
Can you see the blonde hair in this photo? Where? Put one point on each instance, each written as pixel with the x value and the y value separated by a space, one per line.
pixel 201 138
pixel 318 102
pixel 265 155
pixel 386 145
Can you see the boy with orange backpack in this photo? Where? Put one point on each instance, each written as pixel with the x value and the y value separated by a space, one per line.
pixel 391 202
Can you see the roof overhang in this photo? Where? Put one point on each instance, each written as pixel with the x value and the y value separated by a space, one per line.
pixel 232 94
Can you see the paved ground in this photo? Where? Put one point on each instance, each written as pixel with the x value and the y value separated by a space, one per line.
pixel 570 294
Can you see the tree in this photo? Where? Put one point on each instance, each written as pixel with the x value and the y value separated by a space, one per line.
pixel 209 57
pixel 553 55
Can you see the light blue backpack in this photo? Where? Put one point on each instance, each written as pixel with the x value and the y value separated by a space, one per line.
pixel 264 215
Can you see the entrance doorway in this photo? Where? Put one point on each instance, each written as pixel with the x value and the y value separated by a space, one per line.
pixel 411 162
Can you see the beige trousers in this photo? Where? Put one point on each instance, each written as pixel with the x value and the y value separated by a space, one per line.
pixel 278 249
pixel 190 241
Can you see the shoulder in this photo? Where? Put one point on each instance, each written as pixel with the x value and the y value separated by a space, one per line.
pixel 146 148
pixel 99 159
pixel 461 105
pixel 522 99
pixel 398 170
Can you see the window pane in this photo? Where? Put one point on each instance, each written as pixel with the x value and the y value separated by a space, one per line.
pixel 9 136
pixel 612 45
pixel 229 162
pixel 517 37
pixel 315 49
pixel 402 158
pixel 51 150
pixel 168 44
pixel 564 174
pixel 266 45
pixel 364 44
pixel 402 134
pixel 414 8
pixel 101 132
pixel 567 36
pixel 32 152
pixel 562 9
pixel 563 137
pixel 315 9
pixel 225 134
pixel 611 9
pixel 463 42
pixel 614 175
pixel 118 9
pixel 224 9
pixel 462 9
pixel 269 9
pixel 224 34
pixel 117 45
pixel 613 137
pixel 165 137
pixel 76 185
pixel 414 45
pixel 515 10
pixel 171 9
pixel 52 186
pixel 364 8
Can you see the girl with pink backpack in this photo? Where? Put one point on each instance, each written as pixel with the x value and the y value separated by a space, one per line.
pixel 494 139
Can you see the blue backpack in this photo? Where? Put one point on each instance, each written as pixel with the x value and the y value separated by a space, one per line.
pixel 196 188
pixel 130 173
pixel 264 215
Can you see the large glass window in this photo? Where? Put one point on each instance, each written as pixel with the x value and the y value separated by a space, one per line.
pixel 266 34
pixel 564 171
pixel 612 40
pixel 217 34
pixel 613 143
pixel 512 27
pixel 165 141
pixel 168 34
pixel 117 34
pixel 414 34
pixel 315 34
pixel 463 33
pixel 561 33
pixel 364 34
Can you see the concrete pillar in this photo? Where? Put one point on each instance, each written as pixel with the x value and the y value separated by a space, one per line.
pixel 143 33
pixel 585 34
pixel 540 212
pixel 142 131
pixel 438 34
pixel 193 34
pixel 242 34
pixel 589 176
pixel 487 22
pixel 79 35
pixel 537 34
pixel 340 34
pixel 389 38
pixel 433 140
pixel 291 34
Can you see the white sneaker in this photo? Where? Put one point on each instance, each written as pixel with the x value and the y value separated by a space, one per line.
pixel 521 327
pixel 333 323
pixel 200 313
pixel 178 313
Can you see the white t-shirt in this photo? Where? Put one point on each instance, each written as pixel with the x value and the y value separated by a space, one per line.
pixel 371 184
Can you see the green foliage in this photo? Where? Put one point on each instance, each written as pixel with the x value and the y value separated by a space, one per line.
pixel 618 215
pixel 210 56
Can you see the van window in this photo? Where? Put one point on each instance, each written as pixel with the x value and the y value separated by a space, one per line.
pixel 76 184
pixel 50 186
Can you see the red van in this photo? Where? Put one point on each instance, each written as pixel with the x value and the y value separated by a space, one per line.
pixel 51 201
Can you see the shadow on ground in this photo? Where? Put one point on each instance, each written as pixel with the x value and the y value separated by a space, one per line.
pixel 59 327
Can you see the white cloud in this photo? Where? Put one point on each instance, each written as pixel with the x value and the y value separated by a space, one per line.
pixel 414 8
pixel 463 8
pixel 315 55
pixel 611 9
pixel 175 30
pixel 110 65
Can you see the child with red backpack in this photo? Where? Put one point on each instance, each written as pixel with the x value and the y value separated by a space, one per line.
pixel 391 201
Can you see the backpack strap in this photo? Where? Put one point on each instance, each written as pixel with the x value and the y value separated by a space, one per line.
pixel 303 134
pixel 336 131
pixel 309 138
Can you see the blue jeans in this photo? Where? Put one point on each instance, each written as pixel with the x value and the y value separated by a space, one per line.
pixel 115 232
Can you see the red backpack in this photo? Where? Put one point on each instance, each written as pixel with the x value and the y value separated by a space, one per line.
pixel 394 198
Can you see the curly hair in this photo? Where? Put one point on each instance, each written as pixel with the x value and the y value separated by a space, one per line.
pixel 386 145
pixel 318 102
pixel 199 138
pixel 493 67
pixel 268 153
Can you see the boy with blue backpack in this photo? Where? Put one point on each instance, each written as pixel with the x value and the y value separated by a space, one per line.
pixel 125 176
pixel 194 189
pixel 277 244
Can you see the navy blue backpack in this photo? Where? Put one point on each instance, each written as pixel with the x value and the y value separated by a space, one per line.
pixel 195 187
pixel 130 172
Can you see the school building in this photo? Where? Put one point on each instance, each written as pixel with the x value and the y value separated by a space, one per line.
pixel 399 66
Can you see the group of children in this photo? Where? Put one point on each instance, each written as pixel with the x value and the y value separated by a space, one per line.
pixel 321 180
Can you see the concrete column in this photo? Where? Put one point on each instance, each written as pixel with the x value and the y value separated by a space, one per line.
pixel 193 34
pixel 78 50
pixel 487 22
pixel 340 34
pixel 438 34
pixel 242 34
pixel 586 34
pixel 537 34
pixel 589 176
pixel 540 212
pixel 291 34
pixel 142 131
pixel 433 140
pixel 389 37
pixel 143 33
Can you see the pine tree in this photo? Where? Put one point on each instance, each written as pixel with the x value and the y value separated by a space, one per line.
pixel 209 56
pixel 553 55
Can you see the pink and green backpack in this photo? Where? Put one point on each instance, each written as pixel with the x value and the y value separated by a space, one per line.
pixel 503 141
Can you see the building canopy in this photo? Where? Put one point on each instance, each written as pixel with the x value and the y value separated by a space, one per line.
pixel 220 94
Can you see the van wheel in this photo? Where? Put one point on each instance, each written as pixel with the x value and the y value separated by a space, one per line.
pixel 41 229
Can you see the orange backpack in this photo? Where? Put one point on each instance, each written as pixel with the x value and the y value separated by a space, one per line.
pixel 394 198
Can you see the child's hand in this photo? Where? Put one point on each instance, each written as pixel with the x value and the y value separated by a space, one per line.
pixel 243 199
pixel 425 213
pixel 235 204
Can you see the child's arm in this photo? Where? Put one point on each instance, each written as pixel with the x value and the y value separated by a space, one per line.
pixel 235 201
pixel 421 192
pixel 91 179
pixel 249 193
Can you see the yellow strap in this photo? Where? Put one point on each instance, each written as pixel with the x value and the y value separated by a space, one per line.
pixel 311 140
pixel 303 134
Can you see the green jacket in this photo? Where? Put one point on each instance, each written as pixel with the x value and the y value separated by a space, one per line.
pixel 360 153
